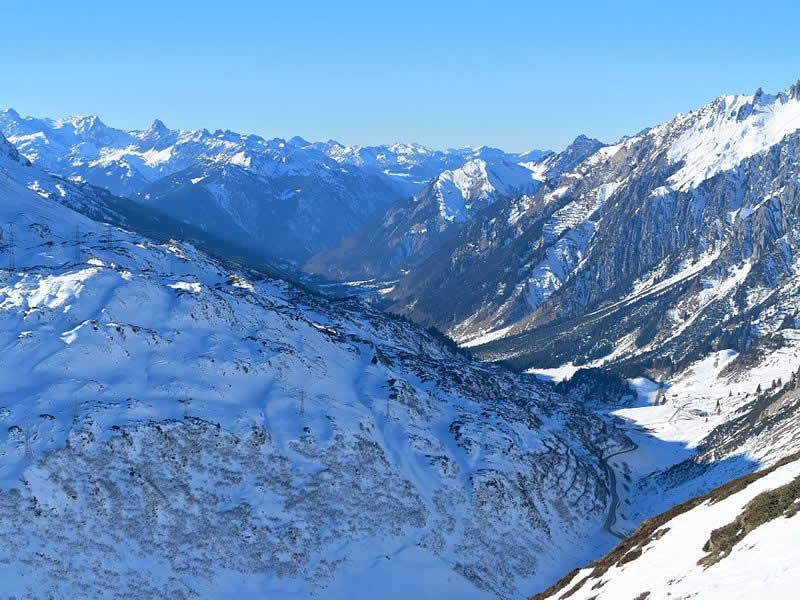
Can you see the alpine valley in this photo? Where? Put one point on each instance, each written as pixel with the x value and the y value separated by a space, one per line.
pixel 290 369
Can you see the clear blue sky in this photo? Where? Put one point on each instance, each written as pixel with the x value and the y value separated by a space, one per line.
pixel 517 75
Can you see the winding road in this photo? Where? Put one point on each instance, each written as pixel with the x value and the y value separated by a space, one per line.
pixel 611 518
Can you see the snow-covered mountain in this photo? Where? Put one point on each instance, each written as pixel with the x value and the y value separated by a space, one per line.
pixel 200 430
pixel 643 244
pixel 415 227
pixel 85 149
pixel 283 200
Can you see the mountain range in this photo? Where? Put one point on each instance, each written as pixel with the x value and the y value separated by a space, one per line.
pixel 276 200
pixel 577 366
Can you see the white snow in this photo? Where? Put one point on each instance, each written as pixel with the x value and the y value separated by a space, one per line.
pixel 728 131
pixel 486 337
pixel 462 191
pixel 187 286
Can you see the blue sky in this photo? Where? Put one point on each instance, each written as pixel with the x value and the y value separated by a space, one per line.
pixel 517 75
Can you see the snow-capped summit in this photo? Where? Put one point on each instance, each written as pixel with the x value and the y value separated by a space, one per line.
pixel 725 132
pixel 9 113
pixel 575 153
pixel 84 125
pixel 414 227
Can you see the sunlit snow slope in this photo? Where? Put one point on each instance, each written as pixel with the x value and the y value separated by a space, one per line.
pixel 737 543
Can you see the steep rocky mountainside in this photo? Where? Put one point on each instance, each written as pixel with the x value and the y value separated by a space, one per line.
pixel 653 251
pixel 199 429
pixel 706 266
pixel 415 228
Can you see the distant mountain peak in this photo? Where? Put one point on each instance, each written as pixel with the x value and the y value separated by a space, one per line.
pixel 299 142
pixel 794 91
pixel 157 129
pixel 583 140
pixel 85 123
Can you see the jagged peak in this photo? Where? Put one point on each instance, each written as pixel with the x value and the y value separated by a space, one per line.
pixel 412 148
pixel 794 91
pixel 157 128
pixel 487 152
pixel 583 139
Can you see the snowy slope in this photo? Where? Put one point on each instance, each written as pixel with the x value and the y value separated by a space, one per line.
pixel 199 430
pixel 461 192
pixel 739 542
pixel 729 130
